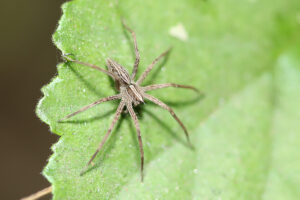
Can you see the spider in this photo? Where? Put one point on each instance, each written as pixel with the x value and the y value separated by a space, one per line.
pixel 131 94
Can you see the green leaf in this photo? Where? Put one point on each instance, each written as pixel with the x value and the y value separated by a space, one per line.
pixel 242 54
pixel 284 177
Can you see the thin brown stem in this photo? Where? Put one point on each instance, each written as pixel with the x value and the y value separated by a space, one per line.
pixel 137 54
pixel 116 118
pixel 164 85
pixel 137 126
pixel 149 68
pixel 110 98
pixel 89 65
pixel 39 194
pixel 166 107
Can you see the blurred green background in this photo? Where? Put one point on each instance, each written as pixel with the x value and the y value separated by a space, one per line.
pixel 28 61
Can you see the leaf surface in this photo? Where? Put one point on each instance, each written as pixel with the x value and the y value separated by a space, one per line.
pixel 242 54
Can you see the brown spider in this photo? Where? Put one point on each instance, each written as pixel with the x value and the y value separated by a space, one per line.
pixel 130 93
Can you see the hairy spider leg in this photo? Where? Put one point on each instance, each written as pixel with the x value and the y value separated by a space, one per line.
pixel 90 65
pixel 166 107
pixel 110 98
pixel 164 85
pixel 137 126
pixel 116 118
pixel 137 53
pixel 149 68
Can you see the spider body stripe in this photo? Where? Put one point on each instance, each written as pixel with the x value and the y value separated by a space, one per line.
pixel 119 71
pixel 136 93
pixel 131 93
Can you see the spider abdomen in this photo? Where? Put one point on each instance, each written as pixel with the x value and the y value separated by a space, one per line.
pixel 132 93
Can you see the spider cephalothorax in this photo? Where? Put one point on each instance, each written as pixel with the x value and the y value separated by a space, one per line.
pixel 127 87
pixel 131 93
